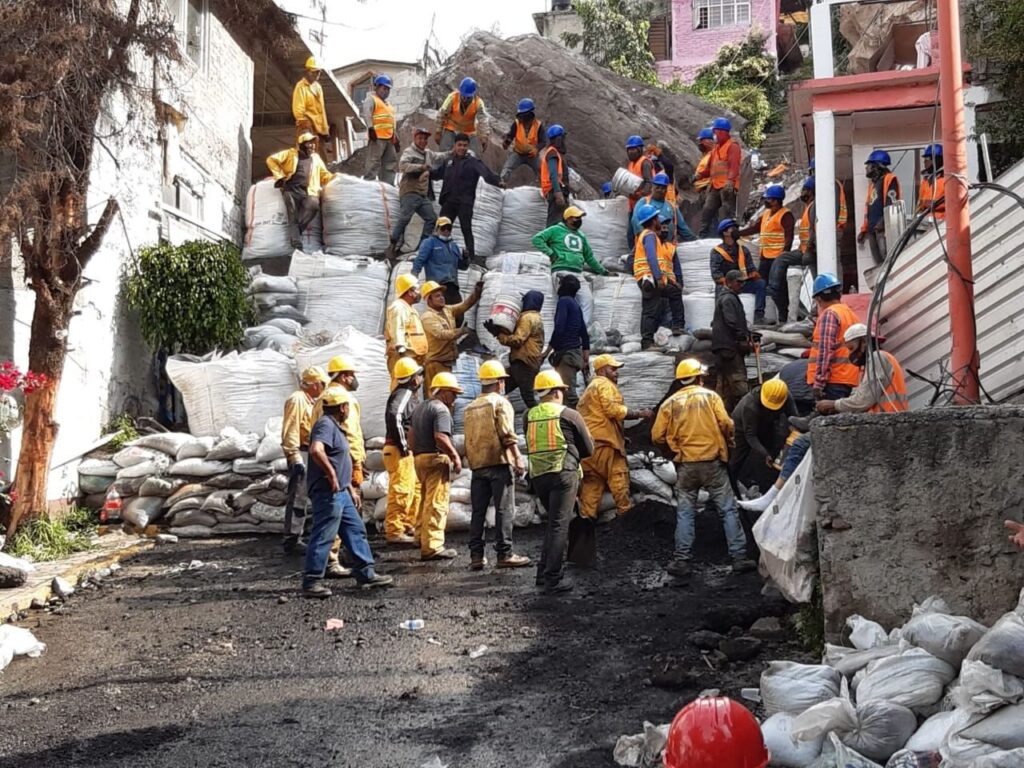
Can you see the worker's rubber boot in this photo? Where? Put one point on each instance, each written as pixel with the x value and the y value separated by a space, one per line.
pixel 743 565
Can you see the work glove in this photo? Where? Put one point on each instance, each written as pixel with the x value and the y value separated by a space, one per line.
pixel 372 134
pixel 400 351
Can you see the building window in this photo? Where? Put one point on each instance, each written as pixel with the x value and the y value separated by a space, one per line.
pixel 190 20
pixel 708 14
pixel 659 37
pixel 360 89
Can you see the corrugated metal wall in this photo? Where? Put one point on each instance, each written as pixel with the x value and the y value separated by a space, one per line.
pixel 915 311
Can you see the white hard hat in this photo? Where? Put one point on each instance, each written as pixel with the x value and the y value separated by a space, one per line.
pixel 855 331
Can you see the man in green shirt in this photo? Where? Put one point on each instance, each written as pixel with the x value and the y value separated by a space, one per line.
pixel 567 246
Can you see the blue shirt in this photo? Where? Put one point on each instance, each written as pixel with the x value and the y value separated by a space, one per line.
pixel 570 331
pixel 327 431
pixel 440 259
pixel 677 229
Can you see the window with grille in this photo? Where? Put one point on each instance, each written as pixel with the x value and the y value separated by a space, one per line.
pixel 190 21
pixel 708 14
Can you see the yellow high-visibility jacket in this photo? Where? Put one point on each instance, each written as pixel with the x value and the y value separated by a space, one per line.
pixel 308 104
pixel 282 165
pixel 694 424
pixel 604 410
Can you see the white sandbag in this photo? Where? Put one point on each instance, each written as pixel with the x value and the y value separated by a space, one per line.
pixel 262 283
pixel 196 448
pixel 161 486
pixel 866 634
pixel 143 510
pixel 233 390
pixel 842 756
pixel 283 312
pixel 92 484
pixel 461 496
pixel 1013 758
pixel 17 641
pixel 617 304
pixel 468 279
pixel 459 517
pixel 165 442
pixel 358 215
pixel 664 337
pixel 284 324
pixel 942 635
pixel 130 456
pixel 265 301
pixel 784 749
pixel 665 471
pixel 191 531
pixel 16 564
pixel 645 378
pixel 983 688
pixel 520 263
pixel 1002 646
pixel 251 467
pixel 1003 729
pixel 367 354
pixel 914 678
pixel 523 214
pixel 699 309
pixel 849 661
pixel 218 502
pixel 266 513
pixel 266 225
pixel 199 468
pixel 785 534
pixel 233 445
pixel 375 486
pixel 695 261
pixel 605 226
pixel 189 491
pixel 98 468
pixel 270 448
pixel 499 285
pixel 932 733
pixel 156 466
pixel 787 686
pixel 487 212
pixel 356 299
pixel 380 509
pixel 374 461
pixel 625 182
pixel 646 482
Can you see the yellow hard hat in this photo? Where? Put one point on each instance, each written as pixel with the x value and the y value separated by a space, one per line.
pixel 774 393
pixel 546 380
pixel 340 364
pixel 572 212
pixel 445 380
pixel 304 137
pixel 406 367
pixel 689 368
pixel 311 63
pixel 492 370
pixel 336 395
pixel 315 375
pixel 429 287
pixel 604 361
pixel 405 282
pixel 443 221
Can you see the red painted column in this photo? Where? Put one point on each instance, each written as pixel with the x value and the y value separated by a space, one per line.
pixel 964 360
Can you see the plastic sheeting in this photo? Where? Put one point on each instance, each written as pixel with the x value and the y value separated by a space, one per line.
pixel 606 225
pixel 487 212
pixel 266 225
pixel 497 284
pixel 523 214
pixel 357 298
pixel 358 216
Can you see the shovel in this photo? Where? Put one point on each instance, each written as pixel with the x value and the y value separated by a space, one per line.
pixel 582 540
pixel 756 338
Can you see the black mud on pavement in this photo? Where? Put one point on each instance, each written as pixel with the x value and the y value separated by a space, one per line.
pixel 208 667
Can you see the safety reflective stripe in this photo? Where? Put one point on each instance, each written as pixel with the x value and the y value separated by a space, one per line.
pixel 383 118
pixel 894 396
pixel 720 165
pixel 742 255
pixel 703 178
pixel 842 370
pixel 773 236
pixel 843 215
pixel 546 184
pixel 641 268
pixel 526 143
pixel 459 121
pixel 545 441
pixel 805 228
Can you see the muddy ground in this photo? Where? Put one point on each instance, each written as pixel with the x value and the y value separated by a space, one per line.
pixel 225 665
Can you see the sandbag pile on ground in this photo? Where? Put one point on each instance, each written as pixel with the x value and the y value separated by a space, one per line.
pixel 358 216
pixel 276 299
pixel 266 225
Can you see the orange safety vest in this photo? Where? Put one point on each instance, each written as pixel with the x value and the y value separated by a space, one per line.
pixel 842 371
pixel 887 182
pixel 720 166
pixel 773 236
pixel 742 266
pixel 458 121
pixel 805 227
pixel 383 118
pixel 894 397
pixel 702 177
pixel 843 216
pixel 546 184
pixel 665 251
pixel 927 194
pixel 526 141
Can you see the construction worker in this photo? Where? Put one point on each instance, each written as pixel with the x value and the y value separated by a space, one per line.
pixel 403 330
pixel 694 426
pixel 569 346
pixel 761 422
pixel 606 190
pixel 882 387
pixel 662 164
pixel 442 327
pixel 794 373
pixel 295 427
pixel 526 343
pixel 604 411
pixel 567 246
pixel 300 174
pixel 441 259
pixel 461 172
pixel 557 440
pixel 463 111
pixel 639 165
pixel 415 193
pixel 830 372
pixel 308 107
pixel 730 340
pixel 720 200
pixel 702 176
pixel 526 137
pixel 403 504
pixel 785 294
pixel 883 188
pixel 677 229
pixel 492 452
pixel 333 492
pixel 715 732
pixel 436 462
pixel 554 175
pixel 730 255
pixel 807 228
pixel 776 227
pixel 842 213
pixel 381 133
pixel 343 373
pixel 657 271
pixel 931 195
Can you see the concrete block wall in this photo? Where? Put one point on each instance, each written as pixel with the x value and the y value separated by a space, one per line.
pixel 922 496
pixel 406 94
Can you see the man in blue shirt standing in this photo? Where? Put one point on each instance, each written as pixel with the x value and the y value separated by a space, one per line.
pixel 441 258
pixel 570 342
pixel 678 232
pixel 333 495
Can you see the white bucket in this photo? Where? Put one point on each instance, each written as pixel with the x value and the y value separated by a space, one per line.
pixel 505 312
pixel 625 182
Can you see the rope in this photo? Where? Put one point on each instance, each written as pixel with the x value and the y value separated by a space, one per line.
pixel 387 211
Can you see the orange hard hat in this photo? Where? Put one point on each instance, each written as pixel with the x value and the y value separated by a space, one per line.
pixel 715 732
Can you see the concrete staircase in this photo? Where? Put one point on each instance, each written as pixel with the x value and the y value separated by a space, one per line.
pixel 778 147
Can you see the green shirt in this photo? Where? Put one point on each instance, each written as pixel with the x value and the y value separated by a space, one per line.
pixel 568 249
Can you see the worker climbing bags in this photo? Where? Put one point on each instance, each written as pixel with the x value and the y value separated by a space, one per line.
pixel 507 288
pixel 487 212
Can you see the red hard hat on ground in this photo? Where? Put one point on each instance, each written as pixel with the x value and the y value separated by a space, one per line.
pixel 715 732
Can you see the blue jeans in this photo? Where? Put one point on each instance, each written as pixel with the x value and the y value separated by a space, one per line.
pixel 412 203
pixel 712 476
pixel 757 287
pixel 778 283
pixel 334 513
pixel 795 455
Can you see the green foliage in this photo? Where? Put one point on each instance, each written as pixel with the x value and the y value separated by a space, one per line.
pixel 810 622
pixel 615 36
pixel 995 31
pixel 124 427
pixel 43 539
pixel 748 101
pixel 191 298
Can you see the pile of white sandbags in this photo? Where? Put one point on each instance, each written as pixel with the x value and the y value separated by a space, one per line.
pixel 266 225
pixel 358 216
pixel 523 214
pixel 486 220
pixel 606 225
pixel 337 291
pixel 280 335
pixel 497 285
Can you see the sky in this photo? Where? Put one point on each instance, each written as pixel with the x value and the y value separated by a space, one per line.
pixel 397 29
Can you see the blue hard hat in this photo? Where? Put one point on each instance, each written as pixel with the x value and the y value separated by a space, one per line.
pixel 661 179
pixel 467 88
pixel 724 224
pixel 774 192
pixel 721 124
pixel 382 80
pixel 606 188
pixel 634 142
pixel 646 212
pixel 809 183
pixel 555 130
pixel 879 156
pixel 810 165
pixel 706 134
pixel 666 216
pixel 933 150
pixel 825 282
pixel 525 105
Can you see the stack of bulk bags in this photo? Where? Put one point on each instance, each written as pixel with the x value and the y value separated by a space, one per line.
pixel 358 216
pixel 700 309
pixel 499 285
pixel 486 219
pixel 617 305
pixel 695 260
pixel 266 225
pixel 605 226
pixel 354 294
pixel 468 278
pixel 523 214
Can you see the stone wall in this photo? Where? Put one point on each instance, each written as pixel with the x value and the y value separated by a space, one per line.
pixel 913 505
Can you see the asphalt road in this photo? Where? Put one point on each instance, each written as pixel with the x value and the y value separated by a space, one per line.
pixel 225 665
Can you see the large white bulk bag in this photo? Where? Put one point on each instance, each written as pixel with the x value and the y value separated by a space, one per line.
pixel 240 390
pixel 266 225
pixel 358 215
pixel 357 298
pixel 468 279
pixel 606 225
pixel 523 214
pixel 617 304
pixel 486 219
pixel 497 284
pixel 695 260
pixel 520 263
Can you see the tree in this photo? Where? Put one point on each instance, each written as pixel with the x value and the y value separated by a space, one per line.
pixel 615 36
pixel 994 31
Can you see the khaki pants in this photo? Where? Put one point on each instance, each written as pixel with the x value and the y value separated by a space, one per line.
pixel 606 468
pixel 403 493
pixel 431 369
pixel 434 471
